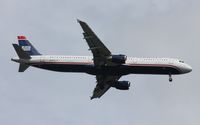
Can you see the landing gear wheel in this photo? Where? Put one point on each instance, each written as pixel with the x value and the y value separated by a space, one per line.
pixel 170 78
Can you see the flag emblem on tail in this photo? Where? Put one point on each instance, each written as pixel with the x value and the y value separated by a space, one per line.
pixel 26 48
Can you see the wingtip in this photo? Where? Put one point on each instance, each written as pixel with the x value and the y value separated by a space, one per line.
pixel 78 21
pixel 91 98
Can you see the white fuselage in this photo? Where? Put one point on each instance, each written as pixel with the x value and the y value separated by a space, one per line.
pixel 143 63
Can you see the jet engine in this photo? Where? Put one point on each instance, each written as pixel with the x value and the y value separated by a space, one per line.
pixel 121 59
pixel 121 85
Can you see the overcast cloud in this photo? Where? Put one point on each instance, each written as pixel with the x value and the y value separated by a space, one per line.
pixel 141 28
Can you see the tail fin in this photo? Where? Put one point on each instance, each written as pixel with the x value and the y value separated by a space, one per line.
pixel 20 52
pixel 22 55
pixel 27 46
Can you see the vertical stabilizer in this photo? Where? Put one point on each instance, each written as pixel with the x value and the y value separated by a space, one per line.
pixel 27 46
pixel 22 56
pixel 20 52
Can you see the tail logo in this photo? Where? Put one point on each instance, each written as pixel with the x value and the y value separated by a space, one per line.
pixel 26 48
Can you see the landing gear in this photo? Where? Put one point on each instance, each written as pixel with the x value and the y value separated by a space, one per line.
pixel 170 78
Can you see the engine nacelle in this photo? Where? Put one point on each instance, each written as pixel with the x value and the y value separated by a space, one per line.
pixel 121 59
pixel 122 85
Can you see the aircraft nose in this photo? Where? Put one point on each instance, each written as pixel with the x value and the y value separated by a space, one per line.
pixel 187 69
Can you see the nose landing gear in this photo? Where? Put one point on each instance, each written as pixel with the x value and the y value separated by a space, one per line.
pixel 170 78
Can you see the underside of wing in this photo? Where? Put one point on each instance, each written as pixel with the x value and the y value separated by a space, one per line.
pixel 102 57
pixel 98 91
pixel 103 84
pixel 99 50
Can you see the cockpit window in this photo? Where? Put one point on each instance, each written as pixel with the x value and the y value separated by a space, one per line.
pixel 181 61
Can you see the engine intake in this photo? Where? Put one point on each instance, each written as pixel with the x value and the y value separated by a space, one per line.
pixel 122 85
pixel 121 59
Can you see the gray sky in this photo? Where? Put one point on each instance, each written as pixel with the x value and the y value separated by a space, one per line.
pixel 141 28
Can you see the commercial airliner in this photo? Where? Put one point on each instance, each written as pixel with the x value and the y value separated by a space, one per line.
pixel 107 67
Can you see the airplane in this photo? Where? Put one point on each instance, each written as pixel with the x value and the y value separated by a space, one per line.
pixel 107 67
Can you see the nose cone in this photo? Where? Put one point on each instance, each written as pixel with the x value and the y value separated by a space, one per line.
pixel 187 69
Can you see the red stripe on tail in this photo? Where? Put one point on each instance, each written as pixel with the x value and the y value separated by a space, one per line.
pixel 21 37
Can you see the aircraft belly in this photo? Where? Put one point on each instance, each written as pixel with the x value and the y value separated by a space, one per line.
pixel 111 70
pixel 65 68
pixel 153 70
pixel 125 70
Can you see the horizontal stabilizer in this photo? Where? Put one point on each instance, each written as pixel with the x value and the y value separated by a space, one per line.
pixel 20 52
pixel 22 67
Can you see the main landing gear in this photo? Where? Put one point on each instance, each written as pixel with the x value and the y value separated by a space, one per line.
pixel 170 78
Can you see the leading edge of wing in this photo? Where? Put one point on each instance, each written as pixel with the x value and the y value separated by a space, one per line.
pixel 93 41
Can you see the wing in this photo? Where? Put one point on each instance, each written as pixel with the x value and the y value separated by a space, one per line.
pixel 100 57
pixel 99 50
pixel 103 84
